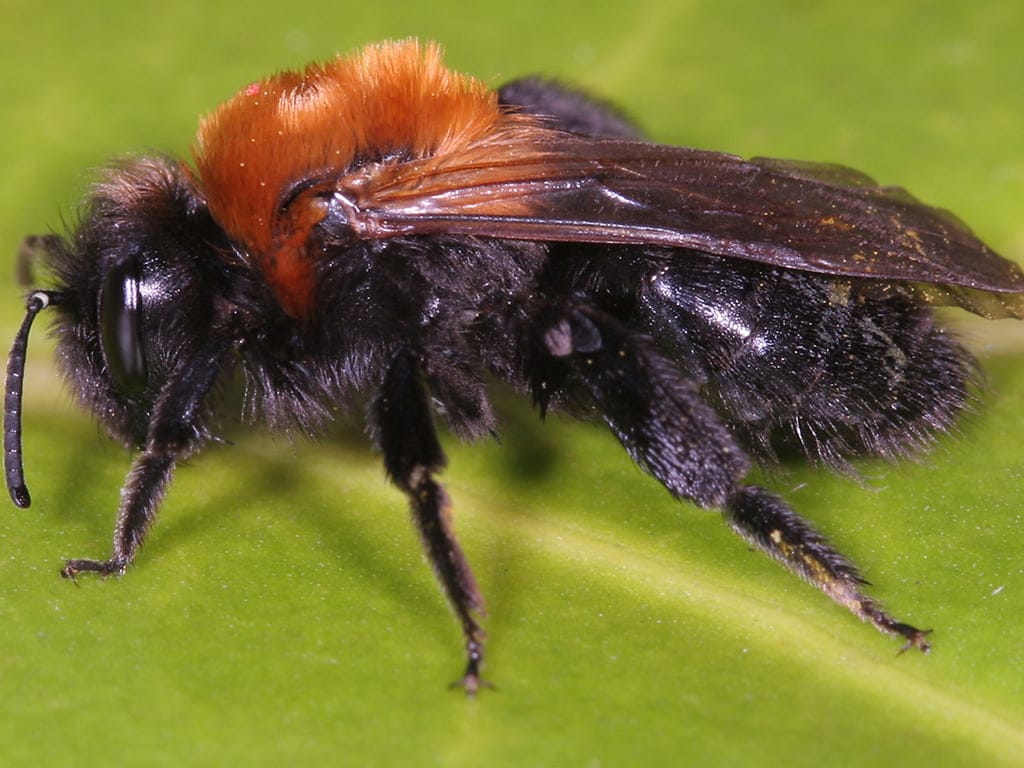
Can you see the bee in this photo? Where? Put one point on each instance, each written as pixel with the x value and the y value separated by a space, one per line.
pixel 379 229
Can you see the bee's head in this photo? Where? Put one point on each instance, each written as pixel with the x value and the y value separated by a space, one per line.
pixel 133 292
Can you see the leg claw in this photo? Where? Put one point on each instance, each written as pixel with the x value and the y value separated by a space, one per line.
pixel 915 638
pixel 471 684
pixel 471 681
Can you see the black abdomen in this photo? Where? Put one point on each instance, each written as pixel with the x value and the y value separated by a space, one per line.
pixel 838 366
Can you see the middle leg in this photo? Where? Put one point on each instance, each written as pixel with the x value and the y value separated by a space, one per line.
pixel 412 455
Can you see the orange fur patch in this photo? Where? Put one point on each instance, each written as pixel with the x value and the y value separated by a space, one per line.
pixel 392 97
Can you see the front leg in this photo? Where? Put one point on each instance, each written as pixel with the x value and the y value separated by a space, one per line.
pixel 175 431
pixel 412 454
pixel 140 498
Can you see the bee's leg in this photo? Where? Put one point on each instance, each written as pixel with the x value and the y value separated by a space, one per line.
pixel 675 436
pixel 143 490
pixel 412 455
pixel 769 524
pixel 657 414
pixel 175 431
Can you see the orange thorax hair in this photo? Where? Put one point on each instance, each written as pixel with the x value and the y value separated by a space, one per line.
pixel 390 98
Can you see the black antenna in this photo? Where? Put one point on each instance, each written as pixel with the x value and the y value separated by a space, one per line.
pixel 13 467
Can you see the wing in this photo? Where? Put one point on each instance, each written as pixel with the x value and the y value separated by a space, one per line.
pixel 819 218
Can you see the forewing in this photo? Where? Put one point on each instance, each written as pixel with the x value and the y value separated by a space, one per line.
pixel 819 218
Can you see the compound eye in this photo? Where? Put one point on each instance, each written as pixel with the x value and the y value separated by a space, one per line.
pixel 121 326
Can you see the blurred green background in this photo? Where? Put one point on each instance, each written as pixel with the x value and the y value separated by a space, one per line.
pixel 281 612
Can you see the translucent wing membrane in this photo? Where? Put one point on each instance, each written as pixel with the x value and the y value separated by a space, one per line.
pixel 819 218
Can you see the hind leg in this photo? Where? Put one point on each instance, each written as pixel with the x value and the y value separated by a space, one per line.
pixel 772 526
pixel 670 432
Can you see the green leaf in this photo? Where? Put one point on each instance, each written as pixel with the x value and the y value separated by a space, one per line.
pixel 281 612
